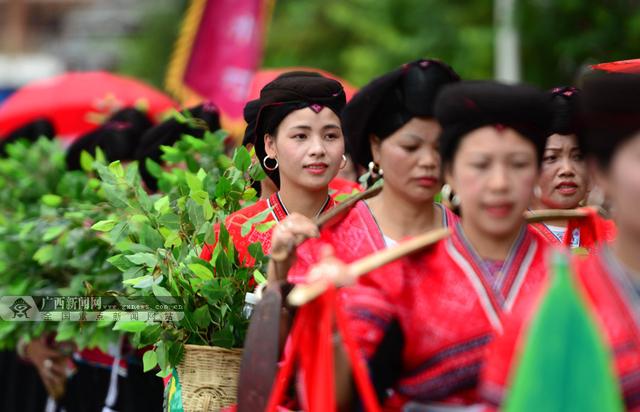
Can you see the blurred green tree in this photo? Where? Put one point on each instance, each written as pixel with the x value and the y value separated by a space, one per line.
pixel 361 39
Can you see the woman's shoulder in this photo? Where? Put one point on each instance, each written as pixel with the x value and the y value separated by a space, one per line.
pixel 240 216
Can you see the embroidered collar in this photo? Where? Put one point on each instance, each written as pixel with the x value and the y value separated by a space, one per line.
pixel 279 210
pixel 505 284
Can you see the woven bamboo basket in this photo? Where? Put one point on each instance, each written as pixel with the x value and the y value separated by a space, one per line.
pixel 209 377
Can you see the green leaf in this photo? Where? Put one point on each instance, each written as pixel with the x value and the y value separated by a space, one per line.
pixel 249 194
pixel 265 227
pixel 246 226
pixel 86 161
pixel 194 183
pixel 44 254
pixel 51 200
pixel 201 271
pixel 207 209
pixel 104 225
pixel 153 168
pixel 259 277
pixel 130 326
pixel 116 169
pixel 52 233
pixel 147 259
pixel 242 159
pixel 149 360
pixel 199 196
pixel 162 205
pixel 202 316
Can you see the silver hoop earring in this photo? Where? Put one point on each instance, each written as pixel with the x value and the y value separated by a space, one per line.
pixel 537 191
pixel 267 167
pixel 446 192
pixel 374 169
pixel 344 162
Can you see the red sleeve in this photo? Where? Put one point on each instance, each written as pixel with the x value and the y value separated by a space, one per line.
pixel 371 305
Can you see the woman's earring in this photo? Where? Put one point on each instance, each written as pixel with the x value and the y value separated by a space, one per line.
pixel 537 191
pixel 374 169
pixel 267 167
pixel 344 162
pixel 446 192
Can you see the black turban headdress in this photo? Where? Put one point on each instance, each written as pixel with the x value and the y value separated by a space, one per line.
pixel 469 105
pixel 390 101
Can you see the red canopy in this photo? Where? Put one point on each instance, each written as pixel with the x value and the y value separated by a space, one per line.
pixel 77 101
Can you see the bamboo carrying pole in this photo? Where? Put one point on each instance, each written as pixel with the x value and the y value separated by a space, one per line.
pixel 302 294
pixel 533 216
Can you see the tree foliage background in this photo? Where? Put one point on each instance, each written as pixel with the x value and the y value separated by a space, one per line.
pixel 361 39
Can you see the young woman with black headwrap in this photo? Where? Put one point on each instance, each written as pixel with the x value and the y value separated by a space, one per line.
pixel 446 303
pixel 609 279
pixel 390 129
pixel 298 139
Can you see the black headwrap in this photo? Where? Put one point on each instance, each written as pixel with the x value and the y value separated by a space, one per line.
pixel 289 92
pixel 469 105
pixel 610 113
pixel 390 101
pixel 118 137
pixel 169 132
pixel 31 131
pixel 565 104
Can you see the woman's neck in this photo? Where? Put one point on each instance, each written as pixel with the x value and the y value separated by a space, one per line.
pixel 489 247
pixel 298 200
pixel 399 218
pixel 625 248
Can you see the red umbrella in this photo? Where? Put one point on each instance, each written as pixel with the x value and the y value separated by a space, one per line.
pixel 77 101
pixel 622 66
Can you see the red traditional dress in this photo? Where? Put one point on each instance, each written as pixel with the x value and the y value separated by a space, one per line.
pixel 445 305
pixel 355 236
pixel 586 233
pixel 236 220
pixel 339 186
pixel 614 300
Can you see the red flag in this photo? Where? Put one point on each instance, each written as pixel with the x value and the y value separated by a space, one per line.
pixel 218 52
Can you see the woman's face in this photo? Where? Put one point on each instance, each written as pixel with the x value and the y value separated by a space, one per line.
pixel 621 184
pixel 564 178
pixel 493 173
pixel 309 148
pixel 410 160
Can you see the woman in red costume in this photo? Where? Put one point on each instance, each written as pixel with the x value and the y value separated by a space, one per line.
pixel 609 280
pixel 424 322
pixel 390 128
pixel 298 139
pixel 564 180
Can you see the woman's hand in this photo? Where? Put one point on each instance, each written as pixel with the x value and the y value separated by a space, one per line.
pixel 50 364
pixel 288 234
pixel 330 269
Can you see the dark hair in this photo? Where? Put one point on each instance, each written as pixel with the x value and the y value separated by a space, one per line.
pixel 169 132
pixel 565 105
pixel 31 131
pixel 469 105
pixel 118 138
pixel 609 114
pixel 388 102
